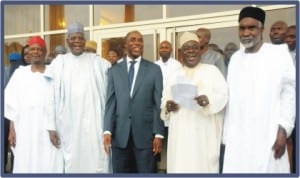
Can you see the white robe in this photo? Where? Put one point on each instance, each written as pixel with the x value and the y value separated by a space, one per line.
pixel 80 91
pixel 261 97
pixel 195 136
pixel 168 69
pixel 28 105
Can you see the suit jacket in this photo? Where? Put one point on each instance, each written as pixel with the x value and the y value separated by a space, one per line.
pixel 139 113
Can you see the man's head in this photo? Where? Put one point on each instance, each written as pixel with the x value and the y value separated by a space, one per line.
pixel 60 49
pixel 229 49
pixel 113 56
pixel 165 49
pixel 15 57
pixel 134 44
pixel 37 50
pixel 290 37
pixel 203 35
pixel 251 26
pixel 190 49
pixel 90 46
pixel 277 32
pixel 25 54
pixel 75 38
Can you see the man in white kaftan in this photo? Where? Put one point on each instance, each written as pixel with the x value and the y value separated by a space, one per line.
pixel 80 91
pixel 195 134
pixel 261 109
pixel 29 105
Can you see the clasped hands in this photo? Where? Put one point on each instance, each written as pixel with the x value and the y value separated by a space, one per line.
pixel 202 100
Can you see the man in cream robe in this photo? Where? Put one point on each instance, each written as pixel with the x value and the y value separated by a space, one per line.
pixel 194 134
pixel 80 93
pixel 261 109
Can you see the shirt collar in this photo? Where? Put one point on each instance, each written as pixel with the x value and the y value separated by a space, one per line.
pixel 166 63
pixel 138 60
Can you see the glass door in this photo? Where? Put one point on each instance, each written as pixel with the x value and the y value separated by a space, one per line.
pixel 114 38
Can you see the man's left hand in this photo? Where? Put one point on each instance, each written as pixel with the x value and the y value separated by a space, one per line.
pixel 202 100
pixel 157 145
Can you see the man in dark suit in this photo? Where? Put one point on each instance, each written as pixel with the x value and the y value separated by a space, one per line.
pixel 132 124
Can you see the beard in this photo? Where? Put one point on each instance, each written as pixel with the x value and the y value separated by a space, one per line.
pixel 249 42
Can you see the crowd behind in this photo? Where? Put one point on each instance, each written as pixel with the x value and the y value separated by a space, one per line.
pixel 212 111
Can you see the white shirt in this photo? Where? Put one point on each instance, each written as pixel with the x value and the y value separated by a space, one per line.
pixel 136 69
pixel 170 67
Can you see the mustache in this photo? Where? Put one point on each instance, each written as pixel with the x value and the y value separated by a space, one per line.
pixel 246 38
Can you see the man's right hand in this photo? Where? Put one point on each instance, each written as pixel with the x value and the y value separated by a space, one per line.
pixel 54 138
pixel 12 135
pixel 172 106
pixel 107 143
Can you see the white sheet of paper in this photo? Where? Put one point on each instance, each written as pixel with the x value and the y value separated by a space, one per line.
pixel 184 94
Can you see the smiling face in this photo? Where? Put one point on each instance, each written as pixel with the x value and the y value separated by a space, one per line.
pixel 190 53
pixel 76 43
pixel 165 49
pixel 37 54
pixel 134 44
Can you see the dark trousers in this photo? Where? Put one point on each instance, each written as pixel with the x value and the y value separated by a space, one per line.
pixel 221 161
pixel 295 141
pixel 6 132
pixel 133 160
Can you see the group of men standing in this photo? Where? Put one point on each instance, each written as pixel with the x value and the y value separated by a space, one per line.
pixel 99 115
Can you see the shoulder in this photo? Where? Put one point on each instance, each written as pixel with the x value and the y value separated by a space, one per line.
pixel 175 62
pixel 22 69
pixel 157 61
pixel 21 72
pixel 149 63
pixel 208 67
pixel 216 55
pixel 275 48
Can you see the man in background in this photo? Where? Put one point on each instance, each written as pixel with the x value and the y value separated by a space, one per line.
pixel 277 32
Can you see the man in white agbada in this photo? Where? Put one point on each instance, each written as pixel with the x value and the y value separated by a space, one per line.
pixel 195 128
pixel 80 90
pixel 28 105
pixel 261 109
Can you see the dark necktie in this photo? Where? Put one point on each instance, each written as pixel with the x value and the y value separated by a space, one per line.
pixel 131 74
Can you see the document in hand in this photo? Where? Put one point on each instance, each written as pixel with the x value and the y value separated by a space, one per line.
pixel 184 94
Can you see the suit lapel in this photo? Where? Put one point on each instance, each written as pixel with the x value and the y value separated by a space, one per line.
pixel 124 74
pixel 140 76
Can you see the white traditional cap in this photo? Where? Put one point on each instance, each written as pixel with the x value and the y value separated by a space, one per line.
pixel 187 36
pixel 75 27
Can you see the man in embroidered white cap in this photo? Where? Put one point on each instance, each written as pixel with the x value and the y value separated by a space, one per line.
pixel 261 109
pixel 80 91
pixel 195 122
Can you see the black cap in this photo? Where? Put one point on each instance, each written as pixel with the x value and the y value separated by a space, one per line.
pixel 253 12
